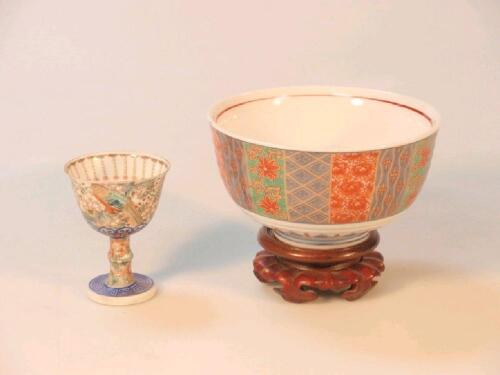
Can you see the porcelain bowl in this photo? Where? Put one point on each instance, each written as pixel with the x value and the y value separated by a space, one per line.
pixel 323 166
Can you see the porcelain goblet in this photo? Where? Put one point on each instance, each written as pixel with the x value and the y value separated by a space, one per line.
pixel 118 194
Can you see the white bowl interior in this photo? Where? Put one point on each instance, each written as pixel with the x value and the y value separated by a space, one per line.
pixel 324 121
pixel 116 167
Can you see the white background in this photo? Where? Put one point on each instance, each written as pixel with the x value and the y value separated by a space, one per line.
pixel 84 76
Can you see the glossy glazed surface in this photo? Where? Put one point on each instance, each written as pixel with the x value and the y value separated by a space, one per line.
pixel 324 122
pixel 118 192
pixel 322 188
pixel 325 119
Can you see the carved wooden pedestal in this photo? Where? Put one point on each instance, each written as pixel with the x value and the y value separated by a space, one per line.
pixel 303 274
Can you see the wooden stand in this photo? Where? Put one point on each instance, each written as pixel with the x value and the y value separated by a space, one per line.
pixel 304 274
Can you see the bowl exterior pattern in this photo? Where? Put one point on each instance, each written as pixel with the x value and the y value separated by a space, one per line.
pixel 321 187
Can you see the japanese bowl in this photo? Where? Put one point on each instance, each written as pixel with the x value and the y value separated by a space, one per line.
pixel 323 166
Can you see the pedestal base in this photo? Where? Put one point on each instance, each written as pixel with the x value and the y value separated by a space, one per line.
pixel 304 274
pixel 141 290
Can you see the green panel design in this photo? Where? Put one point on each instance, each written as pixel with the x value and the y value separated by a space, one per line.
pixel 267 183
pixel 420 163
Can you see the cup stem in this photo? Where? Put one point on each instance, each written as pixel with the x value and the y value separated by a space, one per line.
pixel 120 259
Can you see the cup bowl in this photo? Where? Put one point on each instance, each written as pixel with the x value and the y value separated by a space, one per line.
pixel 117 193
pixel 323 166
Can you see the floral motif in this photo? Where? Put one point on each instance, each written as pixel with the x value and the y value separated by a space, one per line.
pixel 343 217
pixel 322 188
pixel 269 205
pixel 362 169
pixel 120 209
pixel 266 181
pixel 267 167
pixel 352 186
pixel 117 193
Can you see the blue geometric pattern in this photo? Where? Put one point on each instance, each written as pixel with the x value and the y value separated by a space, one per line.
pixel 120 232
pixel 141 284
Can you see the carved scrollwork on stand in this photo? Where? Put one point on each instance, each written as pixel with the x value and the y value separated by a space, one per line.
pixel 303 274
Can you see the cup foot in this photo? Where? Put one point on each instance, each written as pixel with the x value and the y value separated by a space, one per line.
pixel 141 290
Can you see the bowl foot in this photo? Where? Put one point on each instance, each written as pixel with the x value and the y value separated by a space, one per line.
pixel 141 290
pixel 303 274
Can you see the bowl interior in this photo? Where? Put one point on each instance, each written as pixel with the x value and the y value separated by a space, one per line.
pixel 116 168
pixel 325 119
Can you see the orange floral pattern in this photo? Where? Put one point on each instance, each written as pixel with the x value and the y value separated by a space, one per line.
pixel 269 205
pixel 322 188
pixel 266 181
pixel 352 185
pixel 267 167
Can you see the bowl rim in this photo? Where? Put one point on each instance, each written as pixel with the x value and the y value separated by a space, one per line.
pixel 407 102
pixel 110 153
